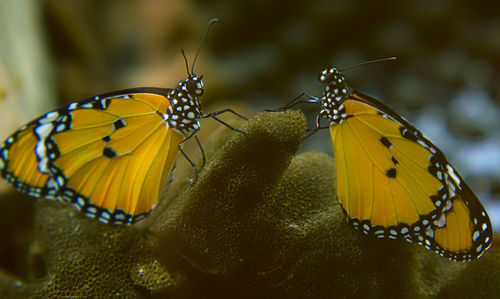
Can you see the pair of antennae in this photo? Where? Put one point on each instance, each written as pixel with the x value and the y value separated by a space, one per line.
pixel 210 22
pixel 215 20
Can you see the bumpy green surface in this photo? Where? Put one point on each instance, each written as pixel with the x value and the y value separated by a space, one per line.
pixel 258 223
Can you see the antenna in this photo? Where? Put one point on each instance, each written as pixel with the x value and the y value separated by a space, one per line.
pixel 370 62
pixel 210 22
pixel 186 60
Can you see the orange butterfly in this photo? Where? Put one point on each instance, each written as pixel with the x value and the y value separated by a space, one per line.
pixel 392 181
pixel 109 154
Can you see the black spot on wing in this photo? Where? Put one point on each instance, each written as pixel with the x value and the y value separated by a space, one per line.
pixel 106 138
pixel 394 160
pixel 407 134
pixel 105 103
pixel 391 172
pixel 385 142
pixel 119 124
pixel 109 152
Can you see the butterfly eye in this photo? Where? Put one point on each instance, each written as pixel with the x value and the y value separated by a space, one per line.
pixel 191 86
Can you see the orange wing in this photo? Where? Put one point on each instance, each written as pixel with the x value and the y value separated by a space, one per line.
pixel 466 233
pixel 393 182
pixel 109 155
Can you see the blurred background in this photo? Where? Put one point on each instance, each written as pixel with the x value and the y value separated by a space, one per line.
pixel 260 56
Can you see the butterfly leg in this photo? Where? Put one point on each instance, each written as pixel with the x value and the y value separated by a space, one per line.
pixel 202 151
pixel 318 125
pixel 214 114
pixel 224 111
pixel 187 157
pixel 297 100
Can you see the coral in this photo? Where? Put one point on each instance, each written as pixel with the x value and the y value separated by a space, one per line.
pixel 259 222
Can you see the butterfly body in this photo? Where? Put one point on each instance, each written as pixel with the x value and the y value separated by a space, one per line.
pixel 185 109
pixel 110 154
pixel 392 181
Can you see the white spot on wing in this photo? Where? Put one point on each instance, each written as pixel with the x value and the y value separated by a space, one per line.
pixel 87 105
pixel 475 236
pixel 441 222
pixel 73 106
pixel 452 174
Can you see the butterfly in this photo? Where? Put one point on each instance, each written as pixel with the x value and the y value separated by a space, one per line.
pixel 109 155
pixel 392 181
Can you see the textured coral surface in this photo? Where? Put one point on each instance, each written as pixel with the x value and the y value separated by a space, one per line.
pixel 259 222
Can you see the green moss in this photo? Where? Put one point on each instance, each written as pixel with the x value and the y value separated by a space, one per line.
pixel 258 223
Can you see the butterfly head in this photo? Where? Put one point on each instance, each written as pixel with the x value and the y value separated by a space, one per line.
pixel 337 89
pixel 332 75
pixel 193 85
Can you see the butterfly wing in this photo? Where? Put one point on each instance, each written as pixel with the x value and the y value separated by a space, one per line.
pixel 393 182
pixel 19 163
pixel 109 155
pixel 465 232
